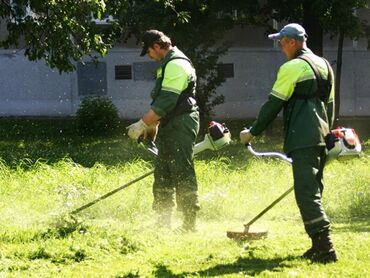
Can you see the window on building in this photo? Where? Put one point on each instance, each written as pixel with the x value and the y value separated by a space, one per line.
pixel 123 72
pixel 226 70
pixel 145 70
pixel 92 79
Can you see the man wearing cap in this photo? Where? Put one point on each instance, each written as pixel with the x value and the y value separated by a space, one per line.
pixel 174 108
pixel 307 102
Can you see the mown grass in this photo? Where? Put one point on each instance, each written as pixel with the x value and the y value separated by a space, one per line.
pixel 46 173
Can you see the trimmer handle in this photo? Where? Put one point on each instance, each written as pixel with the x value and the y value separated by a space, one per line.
pixel 267 154
pixel 149 144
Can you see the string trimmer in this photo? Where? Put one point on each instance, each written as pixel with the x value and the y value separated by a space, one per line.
pixel 217 137
pixel 246 234
pixel 345 144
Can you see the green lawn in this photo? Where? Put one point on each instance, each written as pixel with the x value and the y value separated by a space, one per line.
pixel 47 170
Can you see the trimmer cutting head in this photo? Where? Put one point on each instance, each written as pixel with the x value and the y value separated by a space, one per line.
pixel 246 234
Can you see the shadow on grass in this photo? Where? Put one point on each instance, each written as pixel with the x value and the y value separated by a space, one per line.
pixel 244 266
pixel 87 152
pixel 25 141
pixel 51 140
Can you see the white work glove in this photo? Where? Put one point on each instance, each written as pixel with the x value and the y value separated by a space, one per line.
pixel 137 129
pixel 245 136
pixel 151 132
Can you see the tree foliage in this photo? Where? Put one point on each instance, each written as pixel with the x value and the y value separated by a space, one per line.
pixel 342 21
pixel 60 32
pixel 195 27
pixel 335 17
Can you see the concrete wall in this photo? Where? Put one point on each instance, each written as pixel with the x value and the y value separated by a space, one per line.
pixel 32 89
pixel 255 72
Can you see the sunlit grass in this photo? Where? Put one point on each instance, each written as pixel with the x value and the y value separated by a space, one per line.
pixel 117 237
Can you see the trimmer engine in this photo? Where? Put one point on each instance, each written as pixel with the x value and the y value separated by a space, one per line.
pixel 346 144
pixel 217 137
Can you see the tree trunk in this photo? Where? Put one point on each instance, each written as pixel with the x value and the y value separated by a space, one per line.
pixel 338 75
pixel 313 28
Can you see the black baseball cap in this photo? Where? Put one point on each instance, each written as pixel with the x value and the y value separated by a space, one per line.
pixel 149 38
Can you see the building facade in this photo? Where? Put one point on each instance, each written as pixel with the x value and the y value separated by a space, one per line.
pixel 32 89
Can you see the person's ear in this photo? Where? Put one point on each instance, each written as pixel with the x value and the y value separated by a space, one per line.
pixel 156 46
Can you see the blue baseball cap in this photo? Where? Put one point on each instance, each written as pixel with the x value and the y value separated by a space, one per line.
pixel 292 30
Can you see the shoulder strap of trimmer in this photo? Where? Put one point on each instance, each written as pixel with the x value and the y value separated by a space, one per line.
pixel 186 101
pixel 174 58
pixel 323 86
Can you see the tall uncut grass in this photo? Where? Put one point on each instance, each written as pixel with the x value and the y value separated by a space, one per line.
pixel 47 171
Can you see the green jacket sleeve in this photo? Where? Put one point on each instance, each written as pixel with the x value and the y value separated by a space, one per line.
pixel 331 102
pixel 331 113
pixel 267 114
pixel 164 102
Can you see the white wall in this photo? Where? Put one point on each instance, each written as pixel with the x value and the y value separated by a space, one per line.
pixel 32 89
pixel 255 72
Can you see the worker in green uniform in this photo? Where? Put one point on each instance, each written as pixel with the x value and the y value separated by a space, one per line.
pixel 304 90
pixel 173 121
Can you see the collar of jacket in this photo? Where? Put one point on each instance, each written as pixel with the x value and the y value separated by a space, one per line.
pixel 169 55
pixel 302 51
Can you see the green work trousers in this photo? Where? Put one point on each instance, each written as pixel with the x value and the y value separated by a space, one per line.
pixel 174 173
pixel 308 166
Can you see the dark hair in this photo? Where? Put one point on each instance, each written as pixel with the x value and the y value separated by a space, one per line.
pixel 164 42
pixel 154 36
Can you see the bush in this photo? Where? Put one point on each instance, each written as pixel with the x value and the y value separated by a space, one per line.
pixel 97 115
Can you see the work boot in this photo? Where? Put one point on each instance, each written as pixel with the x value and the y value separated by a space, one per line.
pixel 189 223
pixel 309 253
pixel 322 250
pixel 164 220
